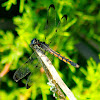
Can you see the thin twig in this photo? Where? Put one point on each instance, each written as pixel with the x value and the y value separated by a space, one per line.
pixel 53 76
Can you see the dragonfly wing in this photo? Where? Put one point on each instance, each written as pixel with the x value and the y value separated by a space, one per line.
pixel 25 69
pixel 51 19
pixel 20 73
pixel 29 81
pixel 61 27
pixel 54 27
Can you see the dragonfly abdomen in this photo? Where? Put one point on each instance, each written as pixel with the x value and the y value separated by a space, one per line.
pixel 66 60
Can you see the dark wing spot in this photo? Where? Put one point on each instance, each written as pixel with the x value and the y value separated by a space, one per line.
pixel 65 17
pixel 52 5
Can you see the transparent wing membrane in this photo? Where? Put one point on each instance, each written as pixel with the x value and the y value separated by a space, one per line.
pixel 61 23
pixel 55 26
pixel 26 68
pixel 29 81
pixel 51 22
pixel 60 28
pixel 51 18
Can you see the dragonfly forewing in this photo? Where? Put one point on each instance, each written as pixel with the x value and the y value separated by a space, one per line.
pixel 51 18
pixel 51 21
pixel 25 69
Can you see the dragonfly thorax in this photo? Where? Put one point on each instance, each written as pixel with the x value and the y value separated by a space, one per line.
pixel 34 42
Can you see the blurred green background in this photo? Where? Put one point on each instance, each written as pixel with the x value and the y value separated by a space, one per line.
pixel 23 20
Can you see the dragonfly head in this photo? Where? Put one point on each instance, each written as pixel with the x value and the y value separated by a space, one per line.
pixel 34 42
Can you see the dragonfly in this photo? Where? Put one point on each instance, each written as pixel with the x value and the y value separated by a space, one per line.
pixel 27 67
pixel 46 47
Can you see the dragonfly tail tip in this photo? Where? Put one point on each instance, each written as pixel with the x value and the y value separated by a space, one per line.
pixel 77 66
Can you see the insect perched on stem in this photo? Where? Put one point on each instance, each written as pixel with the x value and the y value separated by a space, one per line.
pixel 26 68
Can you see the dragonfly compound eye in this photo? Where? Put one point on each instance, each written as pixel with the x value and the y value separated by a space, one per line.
pixel 34 41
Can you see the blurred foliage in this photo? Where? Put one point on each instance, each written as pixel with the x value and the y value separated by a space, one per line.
pixel 82 26
pixel 88 88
